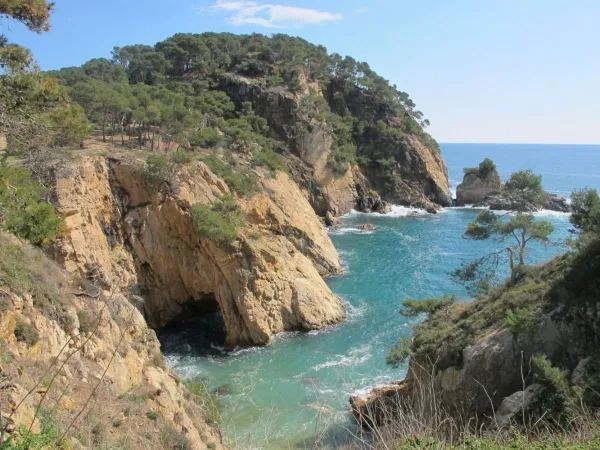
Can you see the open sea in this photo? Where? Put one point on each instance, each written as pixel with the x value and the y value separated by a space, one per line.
pixel 294 392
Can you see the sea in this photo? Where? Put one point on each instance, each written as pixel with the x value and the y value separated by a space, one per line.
pixel 293 393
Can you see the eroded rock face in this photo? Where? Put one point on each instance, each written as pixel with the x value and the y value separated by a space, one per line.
pixel 423 172
pixel 475 188
pixel 262 284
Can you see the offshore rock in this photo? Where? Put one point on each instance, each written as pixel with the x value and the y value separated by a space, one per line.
pixel 476 188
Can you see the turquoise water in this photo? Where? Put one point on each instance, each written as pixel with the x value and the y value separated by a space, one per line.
pixel 296 390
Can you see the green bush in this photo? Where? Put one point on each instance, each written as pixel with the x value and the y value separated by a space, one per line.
pixel 521 319
pixel 152 415
pixel 209 137
pixel 269 159
pixel 22 209
pixel 209 402
pixel 528 186
pixel 485 167
pixel 558 402
pixel 399 352
pixel 412 307
pixel 25 332
pixel 46 438
pixel 219 221
pixel 240 181
pixel 160 171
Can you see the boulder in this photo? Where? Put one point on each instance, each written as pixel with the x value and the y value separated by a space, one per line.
pixel 557 203
pixel 476 187
pixel 367 227
pixel 372 408
pixel 513 405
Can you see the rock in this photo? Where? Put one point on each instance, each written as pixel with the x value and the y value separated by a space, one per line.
pixel 505 202
pixel 262 287
pixel 513 405
pixel 371 409
pixel 329 219
pixel 475 188
pixel 367 227
pixel 557 203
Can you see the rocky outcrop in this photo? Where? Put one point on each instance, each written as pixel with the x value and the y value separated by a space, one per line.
pixel 475 368
pixel 506 201
pixel 60 350
pixel 476 187
pixel 422 175
pixel 268 281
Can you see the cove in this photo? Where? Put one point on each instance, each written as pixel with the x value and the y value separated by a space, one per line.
pixel 295 391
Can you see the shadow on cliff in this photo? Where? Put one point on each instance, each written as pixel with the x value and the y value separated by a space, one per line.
pixel 200 336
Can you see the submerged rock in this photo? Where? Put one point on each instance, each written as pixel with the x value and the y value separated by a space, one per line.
pixel 367 227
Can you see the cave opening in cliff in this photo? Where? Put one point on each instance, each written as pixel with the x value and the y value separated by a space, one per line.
pixel 199 330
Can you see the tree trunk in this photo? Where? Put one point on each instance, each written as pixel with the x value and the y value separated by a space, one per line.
pixel 511 262
pixel 104 126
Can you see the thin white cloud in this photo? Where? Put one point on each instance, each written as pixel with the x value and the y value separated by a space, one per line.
pixel 361 10
pixel 272 16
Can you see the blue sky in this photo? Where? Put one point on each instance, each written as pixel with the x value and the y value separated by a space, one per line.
pixel 481 71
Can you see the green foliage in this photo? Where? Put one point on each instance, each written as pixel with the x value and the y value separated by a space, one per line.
pixel 46 438
pixel 521 320
pixel 400 352
pixel 209 137
pixel 22 209
pixel 485 168
pixel 208 402
pixel 239 180
pixel 499 442
pixel 152 415
pixel 219 221
pixel 519 228
pixel 160 171
pixel 527 186
pixel 25 332
pixel 585 207
pixel 412 307
pixel 558 400
pixel 269 159
pixel 68 124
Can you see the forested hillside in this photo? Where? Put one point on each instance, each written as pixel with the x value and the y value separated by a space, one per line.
pixel 175 94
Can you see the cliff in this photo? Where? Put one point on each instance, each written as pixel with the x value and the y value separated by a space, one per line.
pixel 81 369
pixel 420 174
pixel 532 344
pixel 269 280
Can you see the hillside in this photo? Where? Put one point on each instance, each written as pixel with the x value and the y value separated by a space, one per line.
pixel 332 120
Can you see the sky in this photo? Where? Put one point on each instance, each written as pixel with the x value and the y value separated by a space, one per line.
pixel 515 71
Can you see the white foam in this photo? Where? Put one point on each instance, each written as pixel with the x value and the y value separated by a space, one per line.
pixel 354 357
pixel 396 211
pixel 348 230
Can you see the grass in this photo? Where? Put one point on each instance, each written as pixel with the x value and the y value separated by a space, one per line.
pixel 208 402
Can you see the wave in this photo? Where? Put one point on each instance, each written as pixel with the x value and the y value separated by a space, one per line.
pixel 396 211
pixel 540 213
pixel 348 230
pixel 354 357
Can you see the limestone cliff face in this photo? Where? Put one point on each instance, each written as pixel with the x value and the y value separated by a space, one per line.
pixel 60 349
pixel 268 281
pixel 423 171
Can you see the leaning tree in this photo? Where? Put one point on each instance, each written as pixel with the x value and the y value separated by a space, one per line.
pixel 516 230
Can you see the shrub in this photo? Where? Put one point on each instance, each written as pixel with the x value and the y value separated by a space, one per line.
pixel 557 403
pixel 25 332
pixel 242 182
pixel 585 204
pixel 152 415
pixel 399 352
pixel 522 319
pixel 209 137
pixel 269 159
pixel 87 320
pixel 22 210
pixel 160 171
pixel 208 402
pixel 486 166
pixel 170 438
pixel 412 307
pixel 219 221
pixel 527 185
